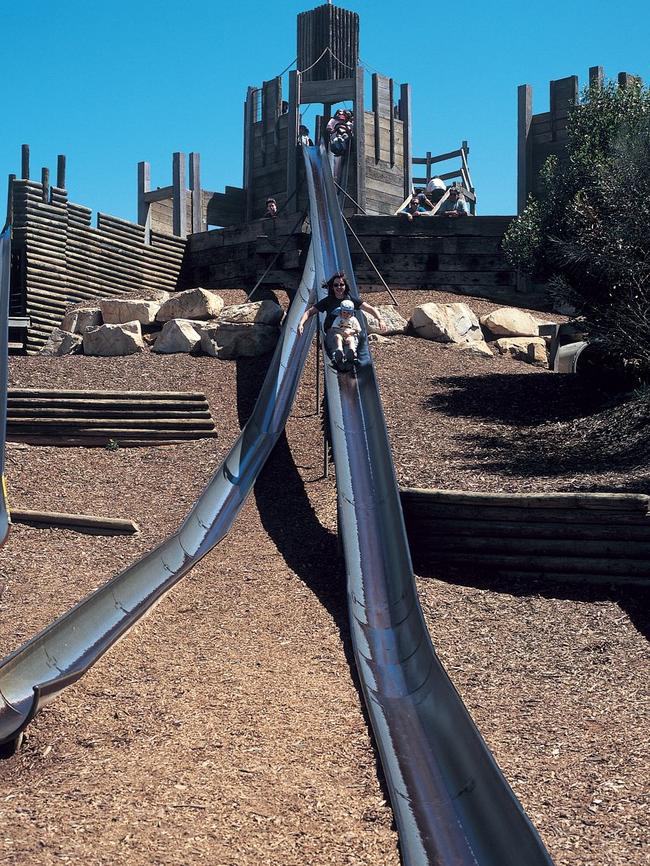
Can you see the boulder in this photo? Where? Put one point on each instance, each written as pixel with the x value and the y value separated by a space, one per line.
pixel 77 321
pixel 379 339
pixel 62 342
pixel 119 311
pixel 227 340
pixel 110 340
pixel 480 349
pixel 177 335
pixel 510 322
pixel 395 324
pixel 266 312
pixel 192 304
pixel 529 349
pixel 446 323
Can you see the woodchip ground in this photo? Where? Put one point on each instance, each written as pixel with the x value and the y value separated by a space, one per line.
pixel 227 728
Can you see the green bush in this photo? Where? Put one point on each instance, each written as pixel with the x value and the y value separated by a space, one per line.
pixel 588 231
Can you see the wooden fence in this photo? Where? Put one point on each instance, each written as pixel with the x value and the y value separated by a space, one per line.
pixel 60 258
pixel 461 174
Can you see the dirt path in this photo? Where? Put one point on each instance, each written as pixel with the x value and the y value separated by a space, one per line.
pixel 227 727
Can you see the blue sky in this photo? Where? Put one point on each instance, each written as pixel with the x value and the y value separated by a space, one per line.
pixel 112 84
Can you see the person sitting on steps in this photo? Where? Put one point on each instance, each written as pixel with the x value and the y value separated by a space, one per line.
pixel 338 290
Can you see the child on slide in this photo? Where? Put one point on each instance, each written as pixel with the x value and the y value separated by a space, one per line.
pixel 343 336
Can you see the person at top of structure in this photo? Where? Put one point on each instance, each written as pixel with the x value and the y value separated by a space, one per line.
pixel 435 189
pixel 303 136
pixel 271 208
pixel 418 205
pixel 344 334
pixel 455 205
pixel 339 131
pixel 338 290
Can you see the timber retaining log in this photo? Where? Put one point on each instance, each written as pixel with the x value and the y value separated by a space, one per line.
pixel 603 538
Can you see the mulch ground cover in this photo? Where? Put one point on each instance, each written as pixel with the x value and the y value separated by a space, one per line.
pixel 227 727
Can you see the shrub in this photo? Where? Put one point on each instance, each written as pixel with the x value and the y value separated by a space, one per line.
pixel 588 232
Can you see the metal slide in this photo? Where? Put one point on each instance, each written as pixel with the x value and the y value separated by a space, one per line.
pixel 452 805
pixel 63 652
pixel 5 262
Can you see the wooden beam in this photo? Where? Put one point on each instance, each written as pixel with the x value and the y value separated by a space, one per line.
pixel 76 522
pixel 60 171
pixel 179 196
pixel 24 161
pixel 405 116
pixel 524 144
pixel 360 136
pixel 339 90
pixel 195 187
pixel 295 90
pixel 45 181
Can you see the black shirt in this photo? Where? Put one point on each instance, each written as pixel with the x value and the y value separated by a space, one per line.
pixel 330 303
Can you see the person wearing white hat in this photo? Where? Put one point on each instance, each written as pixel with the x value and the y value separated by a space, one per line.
pixel 344 334
pixel 435 190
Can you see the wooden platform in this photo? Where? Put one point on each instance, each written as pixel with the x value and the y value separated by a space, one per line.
pixel 101 418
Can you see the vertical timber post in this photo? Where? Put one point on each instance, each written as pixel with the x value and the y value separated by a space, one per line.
pixel 60 171
pixel 179 195
pixel 405 115
pixel 524 144
pixel 292 139
pixel 24 162
pixel 596 76
pixel 360 136
pixel 249 120
pixel 10 199
pixel 195 187
pixel 45 180
pixel 144 186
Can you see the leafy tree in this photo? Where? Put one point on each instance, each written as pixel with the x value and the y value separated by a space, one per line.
pixel 588 231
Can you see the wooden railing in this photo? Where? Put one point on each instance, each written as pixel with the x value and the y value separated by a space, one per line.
pixel 462 174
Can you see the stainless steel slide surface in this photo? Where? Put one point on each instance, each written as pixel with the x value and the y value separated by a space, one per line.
pixel 451 802
pixel 63 652
pixel 5 262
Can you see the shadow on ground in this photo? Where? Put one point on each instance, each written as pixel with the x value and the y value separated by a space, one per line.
pixel 552 426
pixel 309 549
pixel 634 600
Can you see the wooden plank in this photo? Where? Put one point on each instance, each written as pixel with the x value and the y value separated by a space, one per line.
pixel 78 522
pixel 423 526
pixel 488 226
pixel 339 90
pixel 106 394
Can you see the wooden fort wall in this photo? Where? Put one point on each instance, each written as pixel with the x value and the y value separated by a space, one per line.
pixel 461 256
pixel 545 134
pixel 63 259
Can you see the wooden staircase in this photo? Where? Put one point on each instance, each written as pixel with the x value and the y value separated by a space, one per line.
pixel 105 418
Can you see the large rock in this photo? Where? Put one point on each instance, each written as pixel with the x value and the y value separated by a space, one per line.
pixel 192 304
pixel 118 311
pixel 479 349
pixel 178 335
pixel 266 312
pixel 446 323
pixel 62 342
pixel 78 321
pixel 394 323
pixel 110 340
pixel 227 340
pixel 529 349
pixel 510 322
